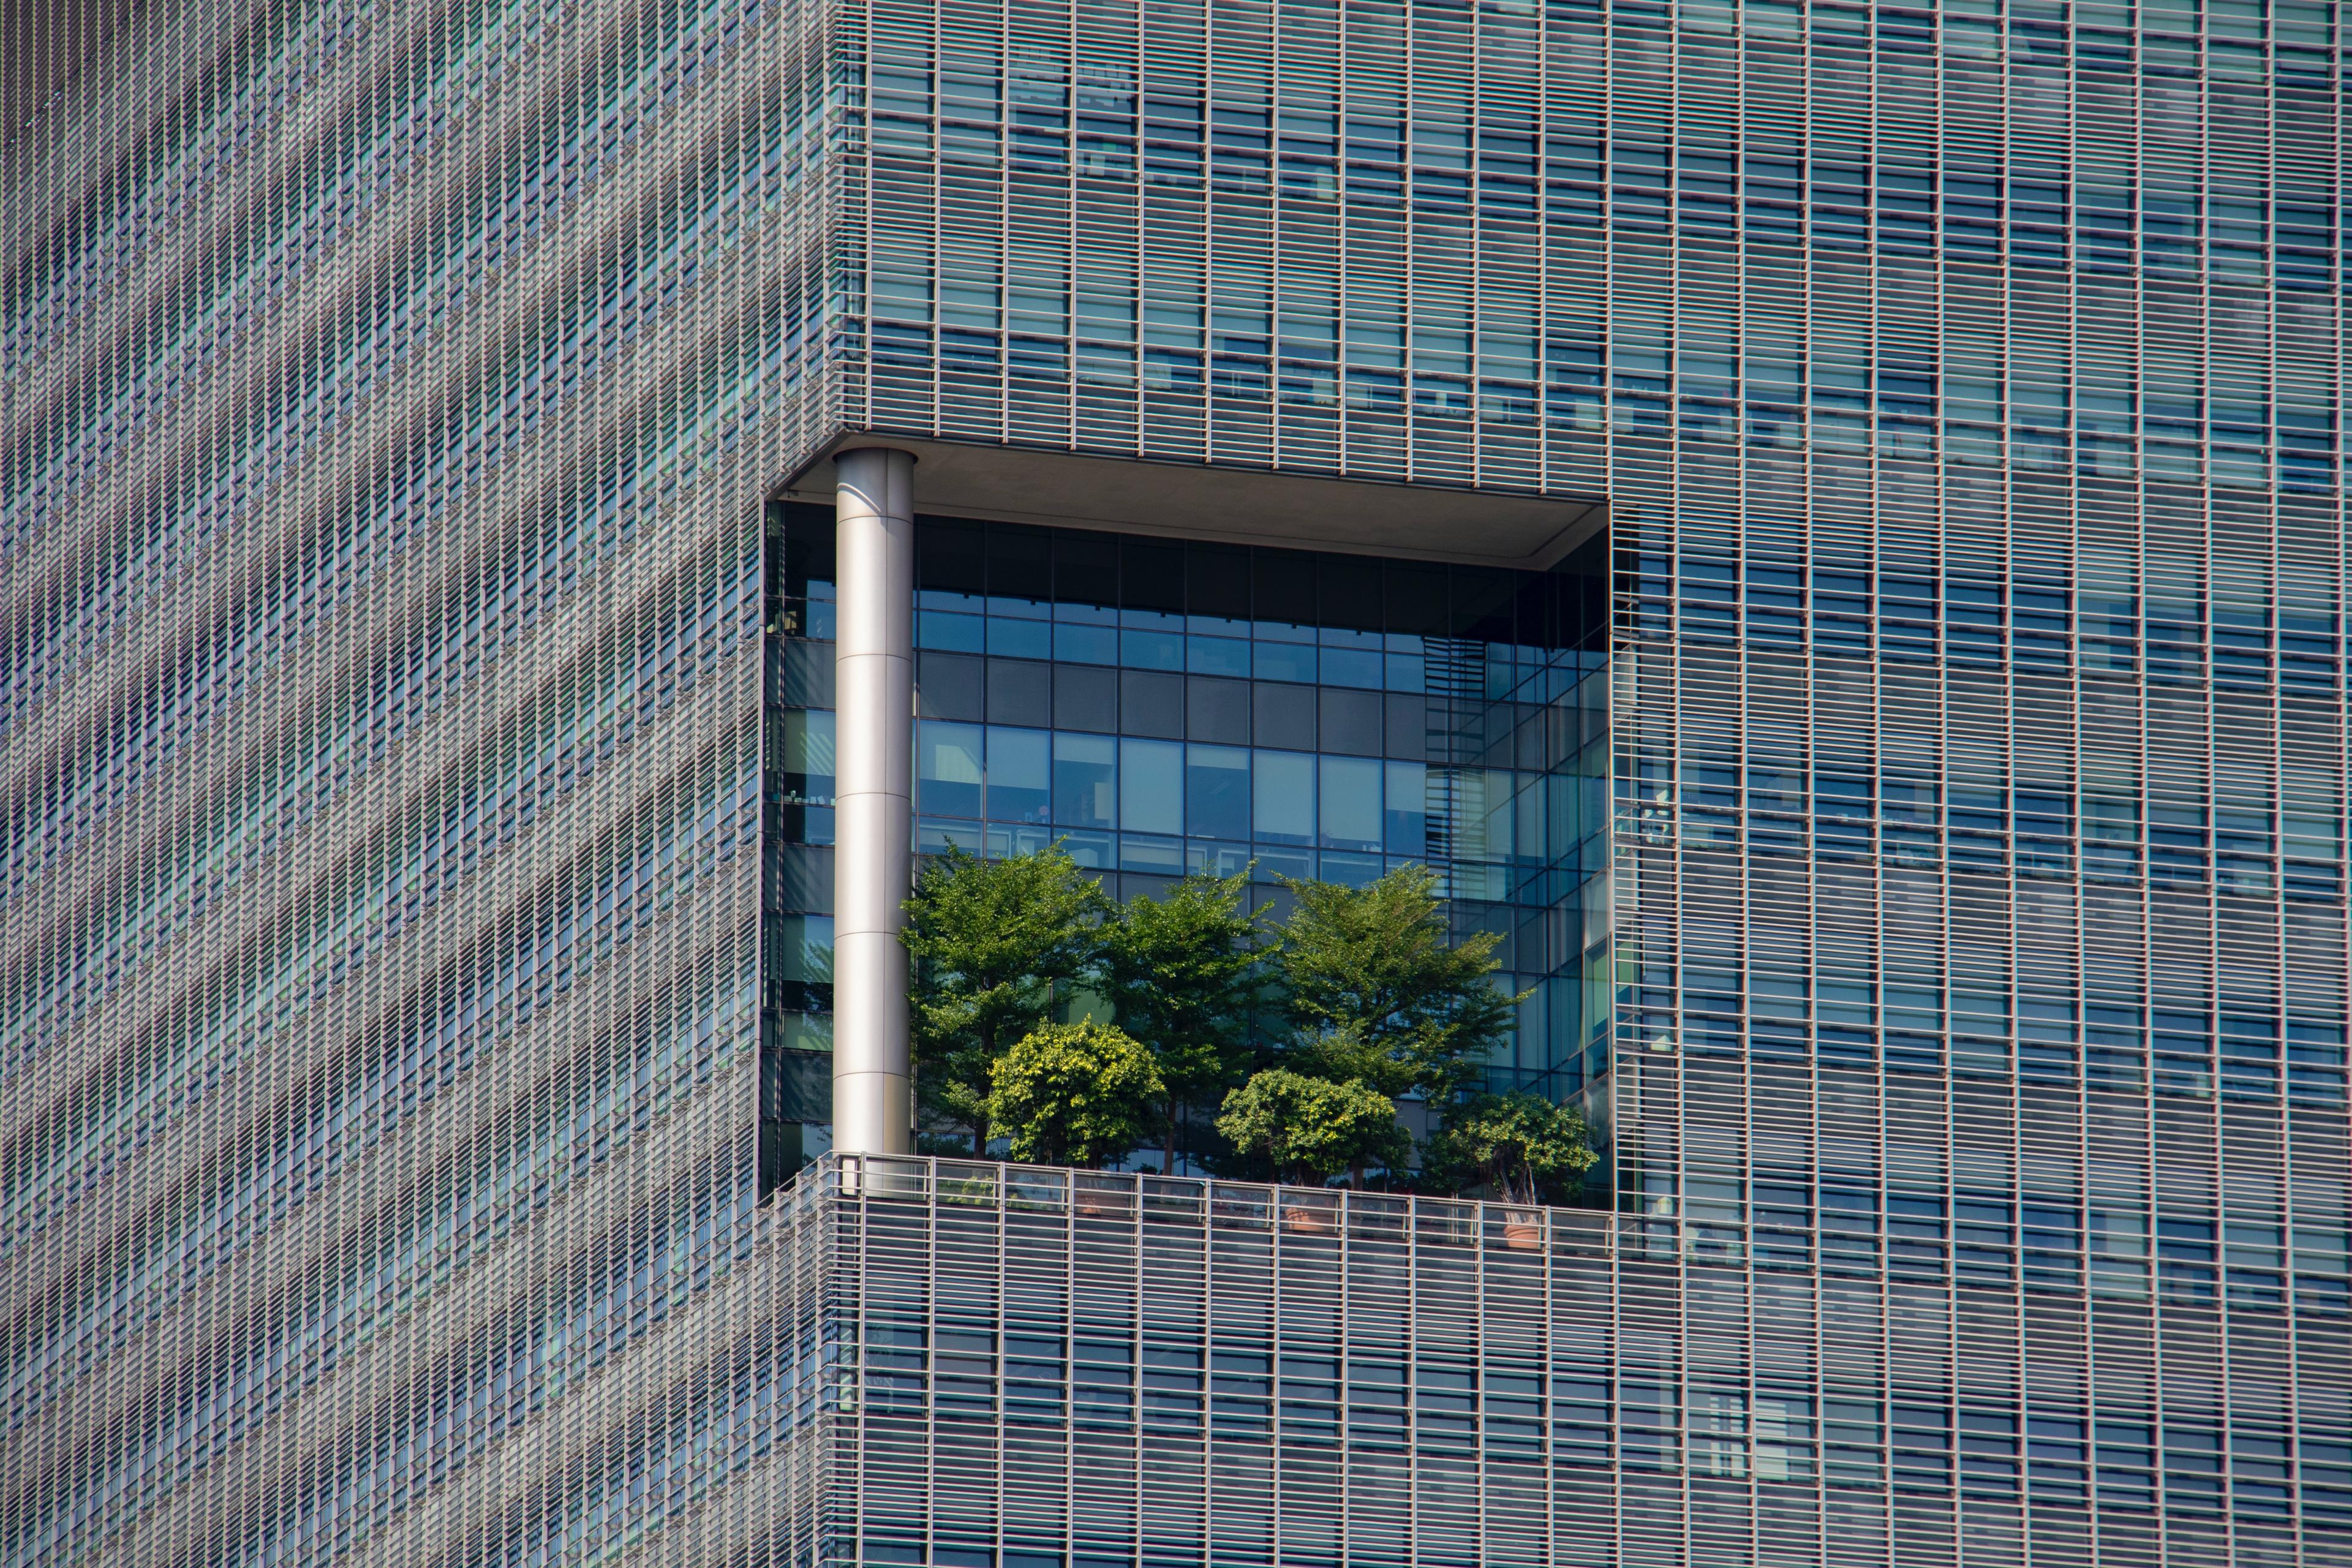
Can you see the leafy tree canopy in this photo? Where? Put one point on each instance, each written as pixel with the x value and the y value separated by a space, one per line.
pixel 1377 994
pixel 1302 1129
pixel 1378 1004
pixel 1183 973
pixel 1523 1146
pixel 996 944
pixel 1074 1094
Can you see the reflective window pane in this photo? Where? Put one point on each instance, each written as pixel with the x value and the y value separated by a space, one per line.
pixel 1284 790
pixel 948 768
pixel 1351 803
pixel 1151 787
pixel 1020 781
pixel 1085 781
pixel 1216 791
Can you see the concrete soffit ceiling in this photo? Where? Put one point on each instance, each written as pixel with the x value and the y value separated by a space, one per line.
pixel 1226 504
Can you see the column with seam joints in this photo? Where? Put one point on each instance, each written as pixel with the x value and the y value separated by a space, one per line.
pixel 874 673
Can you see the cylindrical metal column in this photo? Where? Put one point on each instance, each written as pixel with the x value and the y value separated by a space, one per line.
pixel 873 864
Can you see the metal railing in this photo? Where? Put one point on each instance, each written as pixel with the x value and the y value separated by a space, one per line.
pixel 1125 1197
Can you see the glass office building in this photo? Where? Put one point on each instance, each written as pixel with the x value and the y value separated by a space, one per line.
pixel 414 757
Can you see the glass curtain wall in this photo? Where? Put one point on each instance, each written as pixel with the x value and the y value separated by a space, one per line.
pixel 1162 707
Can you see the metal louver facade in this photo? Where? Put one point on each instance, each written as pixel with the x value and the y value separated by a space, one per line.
pixel 1040 1366
pixel 389 397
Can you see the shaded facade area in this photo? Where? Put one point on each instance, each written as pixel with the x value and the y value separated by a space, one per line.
pixel 1162 707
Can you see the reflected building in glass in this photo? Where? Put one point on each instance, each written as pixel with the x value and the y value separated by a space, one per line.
pixel 1824 524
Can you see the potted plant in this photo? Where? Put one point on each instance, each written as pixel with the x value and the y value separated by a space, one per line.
pixel 1523 1147
pixel 1072 1094
pixel 1306 1130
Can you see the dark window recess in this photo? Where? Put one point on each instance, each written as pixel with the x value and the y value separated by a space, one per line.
pixel 1151 575
pixel 948 686
pixel 1217 712
pixel 1408 726
pixel 1085 569
pixel 1020 563
pixel 796 1086
pixel 799 877
pixel 1217 582
pixel 1351 722
pixel 1085 698
pixel 952 557
pixel 803 676
pixel 1152 704
pixel 1284 715
pixel 1020 691
pixel 1283 588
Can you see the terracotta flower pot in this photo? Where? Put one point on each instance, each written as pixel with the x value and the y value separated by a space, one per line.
pixel 1522 1231
pixel 1306 1221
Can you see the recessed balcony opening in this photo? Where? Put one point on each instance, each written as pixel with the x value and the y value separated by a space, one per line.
pixel 1163 705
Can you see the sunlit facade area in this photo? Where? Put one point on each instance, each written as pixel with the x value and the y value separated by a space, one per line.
pixel 1823 526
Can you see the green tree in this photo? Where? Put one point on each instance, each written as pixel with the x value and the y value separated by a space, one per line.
pixel 1182 975
pixel 1525 1147
pixel 996 946
pixel 1376 993
pixel 1074 1094
pixel 1302 1129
